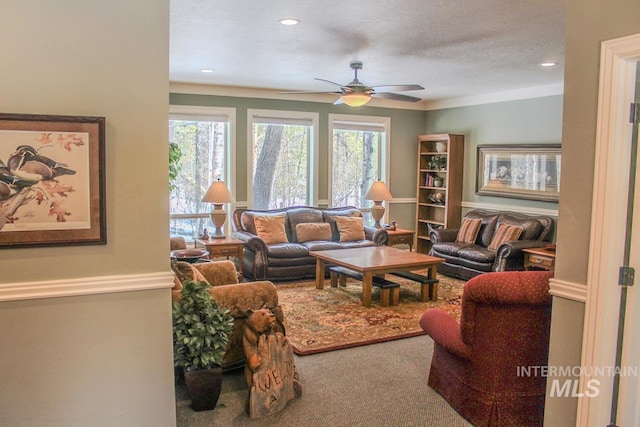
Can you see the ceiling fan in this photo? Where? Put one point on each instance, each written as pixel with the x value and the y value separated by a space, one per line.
pixel 356 94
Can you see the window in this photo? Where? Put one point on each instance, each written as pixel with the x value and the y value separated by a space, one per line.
pixel 203 136
pixel 358 157
pixel 282 155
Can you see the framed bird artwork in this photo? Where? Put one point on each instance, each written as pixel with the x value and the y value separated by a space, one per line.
pixel 52 189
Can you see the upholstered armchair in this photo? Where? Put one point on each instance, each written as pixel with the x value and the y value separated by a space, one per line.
pixel 477 363
pixel 234 296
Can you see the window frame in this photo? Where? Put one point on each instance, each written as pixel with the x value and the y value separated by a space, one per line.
pixel 313 151
pixel 206 113
pixel 385 148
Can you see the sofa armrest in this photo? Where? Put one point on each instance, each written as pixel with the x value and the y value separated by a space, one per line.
pixel 509 255
pixel 437 235
pixel 377 235
pixel 445 331
pixel 251 241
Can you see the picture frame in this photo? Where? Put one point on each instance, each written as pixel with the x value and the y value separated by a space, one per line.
pixel 527 171
pixel 52 183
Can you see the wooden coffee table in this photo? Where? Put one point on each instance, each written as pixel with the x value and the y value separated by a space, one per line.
pixel 379 260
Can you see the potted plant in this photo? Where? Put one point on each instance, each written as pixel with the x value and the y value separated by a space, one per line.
pixel 437 163
pixel 200 337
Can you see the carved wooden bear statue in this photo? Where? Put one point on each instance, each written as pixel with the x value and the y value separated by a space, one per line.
pixel 269 369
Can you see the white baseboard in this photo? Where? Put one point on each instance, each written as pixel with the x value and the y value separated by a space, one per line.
pixel 85 286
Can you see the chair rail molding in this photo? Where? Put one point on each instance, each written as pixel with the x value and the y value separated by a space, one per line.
pixel 85 286
pixel 568 290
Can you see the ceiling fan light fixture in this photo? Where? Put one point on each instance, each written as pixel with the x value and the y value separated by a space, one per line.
pixel 356 99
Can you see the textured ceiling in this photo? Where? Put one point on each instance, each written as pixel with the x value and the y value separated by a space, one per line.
pixel 455 48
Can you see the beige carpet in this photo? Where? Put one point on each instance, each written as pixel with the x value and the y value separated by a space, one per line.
pixel 320 320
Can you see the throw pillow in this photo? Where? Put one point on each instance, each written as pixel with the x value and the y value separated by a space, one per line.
pixel 469 230
pixel 504 234
pixel 350 228
pixel 313 231
pixel 270 228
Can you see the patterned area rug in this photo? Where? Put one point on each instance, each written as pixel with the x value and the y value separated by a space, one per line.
pixel 333 318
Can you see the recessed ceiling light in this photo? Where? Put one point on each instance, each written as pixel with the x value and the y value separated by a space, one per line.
pixel 289 21
pixel 548 64
pixel 206 70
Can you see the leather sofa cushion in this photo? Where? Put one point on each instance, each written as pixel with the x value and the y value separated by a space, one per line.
pixel 477 254
pixel 287 250
pixel 350 228
pixel 301 215
pixel 452 248
pixel 357 244
pixel 313 231
pixel 270 228
pixel 322 246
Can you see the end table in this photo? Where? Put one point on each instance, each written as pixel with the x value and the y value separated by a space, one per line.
pixel 226 247
pixel 539 258
pixel 400 236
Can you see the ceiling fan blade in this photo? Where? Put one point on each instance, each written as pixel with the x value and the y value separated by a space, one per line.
pixel 396 97
pixel 329 81
pixel 305 92
pixel 397 88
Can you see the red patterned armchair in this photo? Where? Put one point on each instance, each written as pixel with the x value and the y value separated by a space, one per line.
pixel 504 325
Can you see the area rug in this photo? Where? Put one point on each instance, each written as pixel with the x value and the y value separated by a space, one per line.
pixel 320 320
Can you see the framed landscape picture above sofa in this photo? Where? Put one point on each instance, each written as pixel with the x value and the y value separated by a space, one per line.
pixel 519 171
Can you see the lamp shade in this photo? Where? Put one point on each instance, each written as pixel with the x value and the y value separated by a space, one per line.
pixel 378 191
pixel 356 99
pixel 218 193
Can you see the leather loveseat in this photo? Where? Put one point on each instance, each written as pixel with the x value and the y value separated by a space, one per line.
pixel 468 254
pixel 305 229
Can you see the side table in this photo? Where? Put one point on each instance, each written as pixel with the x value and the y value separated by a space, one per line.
pixel 539 258
pixel 401 236
pixel 224 248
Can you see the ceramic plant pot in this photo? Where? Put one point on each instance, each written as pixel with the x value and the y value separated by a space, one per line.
pixel 204 387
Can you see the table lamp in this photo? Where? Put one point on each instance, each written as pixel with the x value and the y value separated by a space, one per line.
pixel 218 194
pixel 378 192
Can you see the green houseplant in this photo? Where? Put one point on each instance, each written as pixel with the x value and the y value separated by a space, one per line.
pixel 200 336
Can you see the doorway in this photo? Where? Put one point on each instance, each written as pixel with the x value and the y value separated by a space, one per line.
pixel 618 87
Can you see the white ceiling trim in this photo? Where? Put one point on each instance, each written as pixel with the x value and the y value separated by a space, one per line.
pixel 489 98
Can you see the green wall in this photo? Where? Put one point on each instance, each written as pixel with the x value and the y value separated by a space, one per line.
pixel 529 121
pixel 406 125
pixel 102 357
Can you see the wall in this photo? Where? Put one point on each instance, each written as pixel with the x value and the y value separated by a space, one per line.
pixel 529 121
pixel 589 22
pixel 406 125
pixel 92 355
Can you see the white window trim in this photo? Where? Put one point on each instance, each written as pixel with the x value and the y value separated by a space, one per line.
pixel 312 186
pixel 207 113
pixel 384 167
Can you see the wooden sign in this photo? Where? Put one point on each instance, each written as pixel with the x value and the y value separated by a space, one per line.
pixel 275 381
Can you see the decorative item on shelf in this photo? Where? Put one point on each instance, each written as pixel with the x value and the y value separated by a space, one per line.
pixel 437 181
pixel 200 337
pixel 378 192
pixel 441 147
pixel 437 163
pixel 436 198
pixel 205 235
pixel 218 194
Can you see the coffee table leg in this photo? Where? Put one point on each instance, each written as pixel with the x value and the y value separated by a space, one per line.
pixel 367 280
pixel 433 287
pixel 319 273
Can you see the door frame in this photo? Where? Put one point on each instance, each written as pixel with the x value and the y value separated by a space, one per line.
pixel 618 63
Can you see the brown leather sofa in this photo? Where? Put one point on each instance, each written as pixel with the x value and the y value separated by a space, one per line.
pixel 291 260
pixel 476 364
pixel 234 296
pixel 467 260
